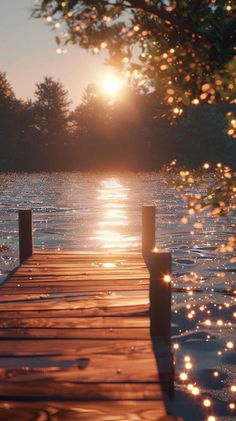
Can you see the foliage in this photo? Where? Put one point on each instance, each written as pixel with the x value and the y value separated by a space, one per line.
pixel 231 117
pixel 51 110
pixel 184 50
pixel 43 134
pixel 216 194
pixel 111 131
pixel 217 184
pixel 7 96
pixel 201 131
pixel 8 111
pixel 93 114
pixel 8 102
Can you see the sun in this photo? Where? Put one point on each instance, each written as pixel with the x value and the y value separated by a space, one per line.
pixel 111 86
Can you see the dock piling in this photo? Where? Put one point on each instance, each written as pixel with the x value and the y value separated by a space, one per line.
pixel 148 229
pixel 25 234
pixel 160 295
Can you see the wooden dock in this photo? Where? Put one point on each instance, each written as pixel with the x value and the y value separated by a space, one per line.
pixel 76 341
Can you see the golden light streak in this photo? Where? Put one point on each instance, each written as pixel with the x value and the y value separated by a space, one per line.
pixel 109 265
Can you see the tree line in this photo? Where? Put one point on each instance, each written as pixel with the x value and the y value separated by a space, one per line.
pixel 132 133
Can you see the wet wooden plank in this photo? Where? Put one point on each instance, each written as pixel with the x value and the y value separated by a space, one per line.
pixel 81 391
pixel 83 411
pixel 84 303
pixel 71 333
pixel 62 347
pixel 76 326
pixel 76 322
pixel 83 368
pixel 75 311
pixel 51 291
pixel 16 285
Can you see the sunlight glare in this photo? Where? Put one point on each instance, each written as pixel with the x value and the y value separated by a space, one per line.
pixel 112 86
pixel 112 232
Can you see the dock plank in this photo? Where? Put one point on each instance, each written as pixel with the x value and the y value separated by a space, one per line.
pixel 71 333
pixel 75 340
pixel 84 411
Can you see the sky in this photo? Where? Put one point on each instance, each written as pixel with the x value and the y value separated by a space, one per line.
pixel 28 53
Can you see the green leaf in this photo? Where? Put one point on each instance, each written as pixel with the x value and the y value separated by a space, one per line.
pixel 58 40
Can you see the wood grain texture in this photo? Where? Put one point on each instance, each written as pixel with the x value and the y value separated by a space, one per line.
pixel 60 333
pixel 75 322
pixel 75 326
pixel 87 411
pixel 49 390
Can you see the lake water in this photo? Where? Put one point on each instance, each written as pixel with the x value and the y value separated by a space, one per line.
pixel 74 211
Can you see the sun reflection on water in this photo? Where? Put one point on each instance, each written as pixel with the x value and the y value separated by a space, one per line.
pixel 113 226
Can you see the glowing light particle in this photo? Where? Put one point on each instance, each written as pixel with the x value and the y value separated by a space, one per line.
pixel 188 366
pixel 230 345
pixel 207 403
pixel 167 278
pixel 183 376
pixel 195 391
pixel 176 110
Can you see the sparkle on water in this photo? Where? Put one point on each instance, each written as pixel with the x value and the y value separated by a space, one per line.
pixel 75 211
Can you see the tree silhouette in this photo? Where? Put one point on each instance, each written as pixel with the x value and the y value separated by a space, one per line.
pixel 51 111
pixel 105 134
pixel 8 111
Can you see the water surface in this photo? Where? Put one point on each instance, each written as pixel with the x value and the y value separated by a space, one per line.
pixel 74 211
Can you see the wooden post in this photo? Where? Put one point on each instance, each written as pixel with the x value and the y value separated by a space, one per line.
pixel 159 265
pixel 25 234
pixel 148 229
